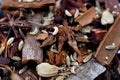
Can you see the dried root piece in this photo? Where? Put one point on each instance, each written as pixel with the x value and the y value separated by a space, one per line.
pixel 47 70
pixel 31 50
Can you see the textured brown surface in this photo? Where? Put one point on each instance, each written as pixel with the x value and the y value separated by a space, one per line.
pixel 31 50
pixel 112 36
pixel 13 4
pixel 87 17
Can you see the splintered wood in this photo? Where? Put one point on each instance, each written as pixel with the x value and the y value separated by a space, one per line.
pixel 31 50
pixel 103 55
pixel 36 4
pixel 87 17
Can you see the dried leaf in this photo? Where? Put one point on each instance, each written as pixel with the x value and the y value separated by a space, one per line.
pixel 49 41
pixel 51 57
pixel 42 36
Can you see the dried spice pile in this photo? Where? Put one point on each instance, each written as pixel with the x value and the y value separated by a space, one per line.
pixel 51 39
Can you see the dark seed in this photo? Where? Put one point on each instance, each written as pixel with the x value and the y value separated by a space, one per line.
pixel 1 72
pixel 7 73
pixel 4 61
pixel 6 78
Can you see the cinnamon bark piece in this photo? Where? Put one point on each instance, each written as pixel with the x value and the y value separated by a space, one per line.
pixel 87 17
pixel 36 4
pixel 113 5
pixel 103 55
pixel 31 50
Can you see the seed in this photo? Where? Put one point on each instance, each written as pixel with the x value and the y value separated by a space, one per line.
pixel 71 58
pixel 73 69
pixel 60 78
pixel 16 58
pixel 68 61
pixel 20 45
pixel 35 31
pixel 111 47
pixel 74 63
pixel 55 30
pixel 106 58
pixel 23 70
pixel 10 41
pixel 88 58
pixel 68 13
pixel 2 49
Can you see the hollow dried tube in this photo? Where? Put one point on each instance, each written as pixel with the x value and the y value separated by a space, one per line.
pixel 31 50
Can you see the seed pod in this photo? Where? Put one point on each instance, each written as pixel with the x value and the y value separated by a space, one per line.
pixel 10 41
pixel 47 70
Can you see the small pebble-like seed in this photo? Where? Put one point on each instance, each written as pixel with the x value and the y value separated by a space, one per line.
pixel 16 58
pixel 20 45
pixel 23 70
pixel 10 41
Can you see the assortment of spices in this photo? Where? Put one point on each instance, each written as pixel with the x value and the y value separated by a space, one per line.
pixel 60 40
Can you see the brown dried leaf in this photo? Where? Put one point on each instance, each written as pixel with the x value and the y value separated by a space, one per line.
pixel 42 36
pixel 81 39
pixel 87 17
pixel 81 58
pixel 49 41
pixel 73 45
pixel 60 58
pixel 51 57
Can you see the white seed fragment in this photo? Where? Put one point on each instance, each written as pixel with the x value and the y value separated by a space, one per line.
pixel 111 47
pixel 88 58
pixel 10 41
pixel 77 13
pixel 68 61
pixel 20 45
pixel 35 31
pixel 16 58
pixel 55 30
pixel 2 49
pixel 71 58
pixel 47 70
pixel 22 70
pixel 28 0
pixel 107 18
pixel 73 69
pixel 60 78
pixel 115 6
pixel 75 55
pixel 74 63
pixel 68 13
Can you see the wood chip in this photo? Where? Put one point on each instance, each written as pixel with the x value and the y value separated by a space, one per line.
pixel 112 36
pixel 36 4
pixel 87 17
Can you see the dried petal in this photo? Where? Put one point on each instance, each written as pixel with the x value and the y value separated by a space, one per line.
pixel 42 36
